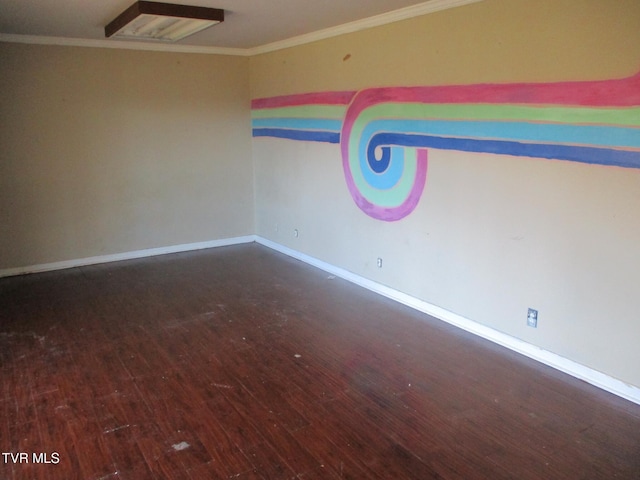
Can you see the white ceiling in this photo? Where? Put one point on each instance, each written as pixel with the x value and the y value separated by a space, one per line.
pixel 248 23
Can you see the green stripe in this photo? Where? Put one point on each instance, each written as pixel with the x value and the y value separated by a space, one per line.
pixel 629 116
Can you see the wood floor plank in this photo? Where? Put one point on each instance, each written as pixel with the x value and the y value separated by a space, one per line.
pixel 240 362
pixel 235 429
pixel 267 462
pixel 275 434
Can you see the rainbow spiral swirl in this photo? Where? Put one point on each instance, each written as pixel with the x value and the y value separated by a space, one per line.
pixel 384 177
pixel 385 132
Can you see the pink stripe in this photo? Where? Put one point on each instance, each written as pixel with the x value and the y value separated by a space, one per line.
pixel 621 92
pixel 325 98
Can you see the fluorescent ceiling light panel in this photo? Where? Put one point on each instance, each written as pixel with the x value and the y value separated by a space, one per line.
pixel 166 22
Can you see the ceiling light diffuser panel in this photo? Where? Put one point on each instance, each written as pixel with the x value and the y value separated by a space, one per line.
pixel 165 22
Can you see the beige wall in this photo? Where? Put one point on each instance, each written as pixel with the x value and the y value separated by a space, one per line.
pixel 491 41
pixel 492 235
pixel 108 151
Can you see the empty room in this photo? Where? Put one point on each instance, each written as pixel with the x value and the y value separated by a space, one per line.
pixel 364 239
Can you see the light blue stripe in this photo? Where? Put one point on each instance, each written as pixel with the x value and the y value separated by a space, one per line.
pixel 605 136
pixel 298 123
pixel 388 178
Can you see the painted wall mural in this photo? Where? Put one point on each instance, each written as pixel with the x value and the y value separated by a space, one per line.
pixel 384 134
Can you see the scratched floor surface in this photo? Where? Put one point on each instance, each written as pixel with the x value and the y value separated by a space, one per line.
pixel 241 363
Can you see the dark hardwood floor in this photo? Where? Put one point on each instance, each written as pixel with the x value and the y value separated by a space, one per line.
pixel 239 362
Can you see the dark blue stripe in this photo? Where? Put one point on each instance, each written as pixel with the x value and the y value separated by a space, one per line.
pixel 306 135
pixel 592 155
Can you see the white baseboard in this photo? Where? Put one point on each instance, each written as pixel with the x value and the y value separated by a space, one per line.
pixel 577 370
pixel 594 377
pixel 149 252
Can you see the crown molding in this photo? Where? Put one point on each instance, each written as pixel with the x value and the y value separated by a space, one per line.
pixel 406 13
pixel 120 44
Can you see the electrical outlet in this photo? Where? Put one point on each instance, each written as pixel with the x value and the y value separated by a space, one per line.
pixel 379 262
pixel 532 318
